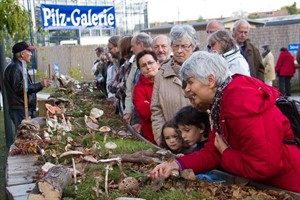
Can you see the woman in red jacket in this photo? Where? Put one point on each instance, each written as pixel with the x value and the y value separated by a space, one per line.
pixel 247 127
pixel 148 65
pixel 285 69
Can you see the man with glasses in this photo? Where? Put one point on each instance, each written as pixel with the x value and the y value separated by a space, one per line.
pixel 14 84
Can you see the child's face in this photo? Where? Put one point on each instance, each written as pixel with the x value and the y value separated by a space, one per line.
pixel 190 134
pixel 172 140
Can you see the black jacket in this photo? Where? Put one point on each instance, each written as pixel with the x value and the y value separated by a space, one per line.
pixel 13 82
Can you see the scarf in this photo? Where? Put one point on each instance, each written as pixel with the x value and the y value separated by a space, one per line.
pixel 215 110
pixel 265 53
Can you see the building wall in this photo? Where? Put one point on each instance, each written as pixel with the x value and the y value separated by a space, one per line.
pixel 83 57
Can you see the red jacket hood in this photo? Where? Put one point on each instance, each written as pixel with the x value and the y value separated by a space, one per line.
pixel 245 100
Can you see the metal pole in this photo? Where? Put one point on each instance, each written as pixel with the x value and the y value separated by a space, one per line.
pixel 31 42
pixel 9 137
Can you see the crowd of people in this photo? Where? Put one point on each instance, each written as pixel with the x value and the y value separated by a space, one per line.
pixel 212 108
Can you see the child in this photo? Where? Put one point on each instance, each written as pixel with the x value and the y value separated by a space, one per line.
pixel 171 139
pixel 193 126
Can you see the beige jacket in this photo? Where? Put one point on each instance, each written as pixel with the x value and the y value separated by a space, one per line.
pixel 130 87
pixel 167 97
pixel 269 64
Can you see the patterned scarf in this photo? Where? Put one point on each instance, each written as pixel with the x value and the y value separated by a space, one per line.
pixel 215 110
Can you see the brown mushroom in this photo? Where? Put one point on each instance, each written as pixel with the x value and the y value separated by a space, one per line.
pixel 92 127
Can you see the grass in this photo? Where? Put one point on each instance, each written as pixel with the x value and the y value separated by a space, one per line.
pixel 3 156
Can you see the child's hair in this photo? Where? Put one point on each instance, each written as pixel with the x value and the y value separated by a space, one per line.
pixel 189 115
pixel 169 124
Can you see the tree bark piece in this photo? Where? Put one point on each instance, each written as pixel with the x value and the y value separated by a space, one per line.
pixel 51 186
pixel 146 157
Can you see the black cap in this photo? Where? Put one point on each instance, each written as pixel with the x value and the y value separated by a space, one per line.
pixel 21 46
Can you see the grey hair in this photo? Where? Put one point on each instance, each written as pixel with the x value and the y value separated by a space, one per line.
pixel 18 54
pixel 144 38
pixel 184 31
pixel 114 40
pixel 201 64
pixel 214 21
pixel 225 38
pixel 239 22
pixel 162 36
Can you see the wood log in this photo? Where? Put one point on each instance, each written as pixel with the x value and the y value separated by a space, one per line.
pixel 51 186
pixel 145 157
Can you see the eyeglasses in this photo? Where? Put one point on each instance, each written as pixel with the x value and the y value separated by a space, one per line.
pixel 149 63
pixel 182 46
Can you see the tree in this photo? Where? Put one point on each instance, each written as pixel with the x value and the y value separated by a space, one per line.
pixel 13 19
pixel 14 23
pixel 200 19
pixel 291 9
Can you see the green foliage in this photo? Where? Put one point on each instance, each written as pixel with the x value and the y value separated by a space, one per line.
pixel 40 75
pixel 292 9
pixel 200 19
pixel 76 73
pixel 254 16
pixel 13 18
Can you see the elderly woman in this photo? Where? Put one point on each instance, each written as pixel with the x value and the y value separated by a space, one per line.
pixel 168 97
pixel 223 43
pixel 247 127
pixel 148 64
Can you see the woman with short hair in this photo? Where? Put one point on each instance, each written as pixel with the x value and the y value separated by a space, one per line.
pixel 248 129
pixel 223 43
pixel 168 96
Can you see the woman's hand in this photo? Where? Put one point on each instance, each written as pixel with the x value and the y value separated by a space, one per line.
pixel 220 144
pixel 164 169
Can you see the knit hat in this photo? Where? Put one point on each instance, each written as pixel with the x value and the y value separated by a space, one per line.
pixel 21 46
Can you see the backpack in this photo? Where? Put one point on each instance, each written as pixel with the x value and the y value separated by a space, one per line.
pixel 291 109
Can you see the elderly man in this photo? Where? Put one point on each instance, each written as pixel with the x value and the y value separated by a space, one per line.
pixel 241 30
pixel 14 85
pixel 214 26
pixel 141 41
pixel 161 46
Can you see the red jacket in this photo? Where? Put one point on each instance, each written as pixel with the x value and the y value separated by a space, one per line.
pixel 285 65
pixel 142 100
pixel 254 128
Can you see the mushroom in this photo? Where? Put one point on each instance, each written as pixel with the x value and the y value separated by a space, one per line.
pixel 96 113
pixel 110 146
pixel 105 130
pixel 72 154
pixel 107 169
pixel 92 127
pixel 50 108
pixel 129 185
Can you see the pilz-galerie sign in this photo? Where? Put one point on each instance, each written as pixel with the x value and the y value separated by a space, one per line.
pixel 57 17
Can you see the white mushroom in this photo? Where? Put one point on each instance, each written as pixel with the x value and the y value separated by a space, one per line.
pixel 105 130
pixel 72 154
pixel 96 113
pixel 110 146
